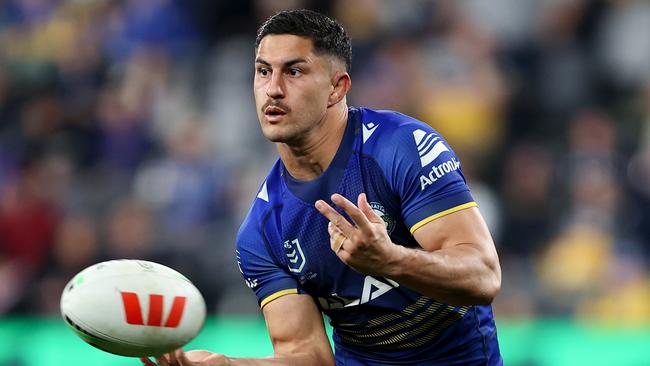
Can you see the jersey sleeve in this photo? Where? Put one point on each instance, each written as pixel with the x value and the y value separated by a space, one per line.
pixel 426 174
pixel 261 273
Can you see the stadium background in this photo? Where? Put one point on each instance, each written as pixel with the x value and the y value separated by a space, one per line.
pixel 128 130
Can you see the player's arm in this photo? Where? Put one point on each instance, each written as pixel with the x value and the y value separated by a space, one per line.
pixel 297 332
pixel 458 264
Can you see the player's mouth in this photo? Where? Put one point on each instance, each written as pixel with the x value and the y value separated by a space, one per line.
pixel 274 114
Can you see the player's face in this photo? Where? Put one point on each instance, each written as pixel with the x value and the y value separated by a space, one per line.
pixel 292 86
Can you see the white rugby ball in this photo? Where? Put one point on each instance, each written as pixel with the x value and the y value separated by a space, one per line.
pixel 133 307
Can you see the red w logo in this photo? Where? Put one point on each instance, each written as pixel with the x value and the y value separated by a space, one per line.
pixel 133 310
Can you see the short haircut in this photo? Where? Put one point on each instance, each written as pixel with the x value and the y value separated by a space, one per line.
pixel 327 35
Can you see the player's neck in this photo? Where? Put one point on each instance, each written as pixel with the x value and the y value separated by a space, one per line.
pixel 311 158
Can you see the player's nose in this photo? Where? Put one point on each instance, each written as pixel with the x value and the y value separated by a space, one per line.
pixel 275 87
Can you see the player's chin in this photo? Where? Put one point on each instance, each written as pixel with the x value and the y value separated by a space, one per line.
pixel 275 133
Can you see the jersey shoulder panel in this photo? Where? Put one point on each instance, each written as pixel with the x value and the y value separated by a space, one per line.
pixel 418 164
pixel 390 136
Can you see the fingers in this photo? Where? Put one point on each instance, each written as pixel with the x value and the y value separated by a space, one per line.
pixel 162 361
pixel 367 210
pixel 363 216
pixel 168 359
pixel 336 238
pixel 358 217
pixel 182 358
pixel 334 217
pixel 146 361
pixel 176 358
pixel 172 359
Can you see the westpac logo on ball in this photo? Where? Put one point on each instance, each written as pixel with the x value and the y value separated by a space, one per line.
pixel 133 310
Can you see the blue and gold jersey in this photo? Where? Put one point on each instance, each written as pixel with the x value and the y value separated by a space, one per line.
pixel 410 176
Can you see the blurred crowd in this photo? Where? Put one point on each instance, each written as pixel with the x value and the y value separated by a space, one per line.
pixel 128 130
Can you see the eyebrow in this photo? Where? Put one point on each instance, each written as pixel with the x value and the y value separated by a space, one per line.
pixel 286 64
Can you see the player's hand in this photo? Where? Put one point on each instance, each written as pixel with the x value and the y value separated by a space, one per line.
pixel 190 358
pixel 364 244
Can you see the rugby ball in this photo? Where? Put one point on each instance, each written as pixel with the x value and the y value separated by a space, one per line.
pixel 133 307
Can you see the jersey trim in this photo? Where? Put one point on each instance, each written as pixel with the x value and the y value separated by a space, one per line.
pixel 421 223
pixel 278 294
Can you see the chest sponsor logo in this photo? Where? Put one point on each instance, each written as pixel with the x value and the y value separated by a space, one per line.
pixel 438 171
pixel 381 212
pixel 296 257
pixel 372 289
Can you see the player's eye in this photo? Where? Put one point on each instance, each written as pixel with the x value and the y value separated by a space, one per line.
pixel 263 71
pixel 295 72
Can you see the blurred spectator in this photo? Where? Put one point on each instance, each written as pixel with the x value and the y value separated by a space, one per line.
pixel 129 231
pixel 189 187
pixel 137 25
pixel 30 209
pixel 400 65
pixel 123 137
pixel 623 49
pixel 528 198
pixel 75 247
pixel 464 93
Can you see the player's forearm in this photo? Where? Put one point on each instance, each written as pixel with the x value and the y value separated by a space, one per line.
pixel 459 275
pixel 285 360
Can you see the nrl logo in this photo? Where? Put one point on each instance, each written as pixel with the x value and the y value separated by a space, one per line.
pixel 381 212
pixel 295 255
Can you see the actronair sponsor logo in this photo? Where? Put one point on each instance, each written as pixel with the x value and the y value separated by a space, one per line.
pixel 438 171
pixel 430 146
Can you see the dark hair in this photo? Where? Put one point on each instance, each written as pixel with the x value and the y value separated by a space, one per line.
pixel 327 35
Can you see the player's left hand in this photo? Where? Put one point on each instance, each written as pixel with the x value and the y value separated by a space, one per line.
pixel 364 244
pixel 190 358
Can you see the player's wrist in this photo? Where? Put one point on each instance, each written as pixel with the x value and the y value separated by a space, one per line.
pixel 395 264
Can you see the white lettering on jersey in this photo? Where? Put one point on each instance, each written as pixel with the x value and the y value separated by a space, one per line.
pixel 250 282
pixel 372 289
pixel 438 171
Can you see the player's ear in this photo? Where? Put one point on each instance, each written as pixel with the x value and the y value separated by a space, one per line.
pixel 341 83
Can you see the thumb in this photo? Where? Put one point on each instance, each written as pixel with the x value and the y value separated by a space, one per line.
pixel 182 358
pixel 363 204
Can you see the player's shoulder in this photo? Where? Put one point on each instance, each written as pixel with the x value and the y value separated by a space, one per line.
pixel 393 119
pixel 267 196
pixel 386 132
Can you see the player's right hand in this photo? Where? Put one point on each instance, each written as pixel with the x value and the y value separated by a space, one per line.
pixel 364 243
pixel 190 358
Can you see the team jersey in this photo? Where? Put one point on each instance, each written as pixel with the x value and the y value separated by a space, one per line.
pixel 410 176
